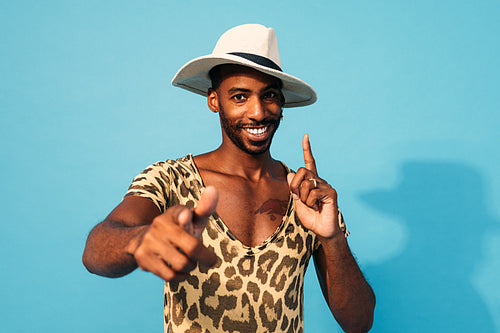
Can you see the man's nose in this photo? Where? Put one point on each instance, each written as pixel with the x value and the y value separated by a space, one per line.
pixel 256 110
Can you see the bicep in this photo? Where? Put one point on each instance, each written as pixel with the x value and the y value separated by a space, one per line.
pixel 134 211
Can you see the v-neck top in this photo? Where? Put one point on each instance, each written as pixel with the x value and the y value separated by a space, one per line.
pixel 250 289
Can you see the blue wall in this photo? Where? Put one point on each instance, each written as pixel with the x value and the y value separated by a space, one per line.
pixel 406 129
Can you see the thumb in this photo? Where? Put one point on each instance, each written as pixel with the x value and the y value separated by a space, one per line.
pixel 293 190
pixel 207 204
pixel 300 207
pixel 206 207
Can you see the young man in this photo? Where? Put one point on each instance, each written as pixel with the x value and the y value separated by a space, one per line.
pixel 232 231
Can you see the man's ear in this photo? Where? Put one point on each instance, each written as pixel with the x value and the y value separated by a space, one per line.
pixel 213 100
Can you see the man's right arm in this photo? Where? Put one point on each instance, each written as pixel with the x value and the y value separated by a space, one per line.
pixel 106 251
pixel 135 234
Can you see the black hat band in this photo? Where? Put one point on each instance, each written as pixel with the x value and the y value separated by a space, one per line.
pixel 263 61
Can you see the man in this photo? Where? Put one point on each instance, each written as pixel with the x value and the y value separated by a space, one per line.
pixel 231 231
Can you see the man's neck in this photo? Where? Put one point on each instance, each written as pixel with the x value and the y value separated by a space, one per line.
pixel 230 160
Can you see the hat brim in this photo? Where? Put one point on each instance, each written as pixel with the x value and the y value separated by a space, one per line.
pixel 193 76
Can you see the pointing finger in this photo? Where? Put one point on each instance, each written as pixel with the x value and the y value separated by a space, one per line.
pixel 309 162
pixel 184 218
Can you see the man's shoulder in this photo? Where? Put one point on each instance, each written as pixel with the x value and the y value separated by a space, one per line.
pixel 283 164
pixel 181 164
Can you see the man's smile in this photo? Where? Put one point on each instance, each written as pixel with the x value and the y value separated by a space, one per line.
pixel 256 130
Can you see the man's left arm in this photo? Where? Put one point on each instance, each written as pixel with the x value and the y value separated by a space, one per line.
pixel 348 294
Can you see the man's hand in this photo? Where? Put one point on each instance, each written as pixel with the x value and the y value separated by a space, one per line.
pixel 170 247
pixel 349 296
pixel 315 199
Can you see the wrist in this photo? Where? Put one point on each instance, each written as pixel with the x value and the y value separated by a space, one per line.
pixel 334 243
pixel 136 240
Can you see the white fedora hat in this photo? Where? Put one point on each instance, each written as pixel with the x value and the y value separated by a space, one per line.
pixel 251 45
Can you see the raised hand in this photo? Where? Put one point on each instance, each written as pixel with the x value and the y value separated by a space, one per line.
pixel 315 199
pixel 170 248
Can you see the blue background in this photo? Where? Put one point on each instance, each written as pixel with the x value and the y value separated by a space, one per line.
pixel 405 128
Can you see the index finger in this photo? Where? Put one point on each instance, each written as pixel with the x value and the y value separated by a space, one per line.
pixel 175 235
pixel 309 162
pixel 191 247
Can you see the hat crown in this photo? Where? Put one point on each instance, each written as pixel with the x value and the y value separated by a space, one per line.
pixel 250 38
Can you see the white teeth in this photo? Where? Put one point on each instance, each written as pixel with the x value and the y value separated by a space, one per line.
pixel 257 131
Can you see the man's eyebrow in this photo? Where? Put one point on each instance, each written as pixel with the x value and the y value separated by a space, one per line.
pixel 272 86
pixel 236 89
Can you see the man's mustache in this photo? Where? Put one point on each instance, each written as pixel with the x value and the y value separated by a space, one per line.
pixel 266 122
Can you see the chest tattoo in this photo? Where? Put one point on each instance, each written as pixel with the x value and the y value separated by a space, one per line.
pixel 273 207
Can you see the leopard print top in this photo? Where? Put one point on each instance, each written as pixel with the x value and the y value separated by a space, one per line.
pixel 250 289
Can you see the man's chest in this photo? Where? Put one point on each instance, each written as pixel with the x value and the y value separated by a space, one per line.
pixel 251 211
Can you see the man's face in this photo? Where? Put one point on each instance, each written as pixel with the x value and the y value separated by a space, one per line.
pixel 249 104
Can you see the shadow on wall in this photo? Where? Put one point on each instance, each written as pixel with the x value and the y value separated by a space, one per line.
pixel 428 286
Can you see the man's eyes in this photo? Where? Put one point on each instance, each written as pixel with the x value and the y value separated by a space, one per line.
pixel 238 97
pixel 270 95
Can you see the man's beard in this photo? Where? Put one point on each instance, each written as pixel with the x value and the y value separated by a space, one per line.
pixel 233 131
